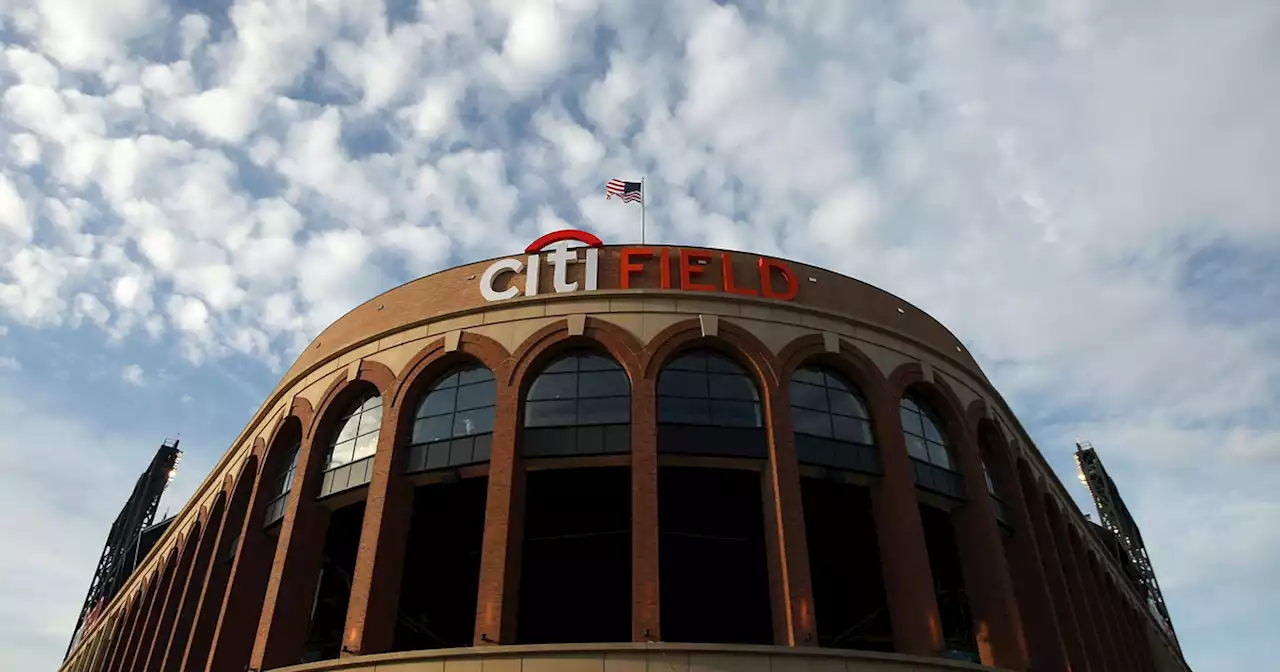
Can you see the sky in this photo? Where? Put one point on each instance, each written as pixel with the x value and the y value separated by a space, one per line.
pixel 1085 192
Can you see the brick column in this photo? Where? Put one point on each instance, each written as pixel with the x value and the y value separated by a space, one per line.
pixel 1107 632
pixel 375 583
pixel 498 596
pixel 200 644
pixel 1043 631
pixel 173 597
pixel 986 574
pixel 188 591
pixel 645 595
pixel 784 520
pixel 904 558
pixel 233 635
pixel 127 660
pixel 119 642
pixel 1056 579
pixel 147 642
pixel 1085 620
pixel 1124 631
pixel 191 591
pixel 286 603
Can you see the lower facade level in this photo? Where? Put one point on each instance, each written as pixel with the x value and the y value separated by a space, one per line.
pixel 638 657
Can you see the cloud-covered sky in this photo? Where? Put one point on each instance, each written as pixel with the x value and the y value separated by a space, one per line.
pixel 1084 192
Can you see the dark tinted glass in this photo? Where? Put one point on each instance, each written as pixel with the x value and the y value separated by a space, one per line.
pixel 706 388
pixel 830 421
pixel 454 416
pixel 920 428
pixel 574 406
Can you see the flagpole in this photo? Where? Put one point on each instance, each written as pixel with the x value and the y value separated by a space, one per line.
pixel 642 200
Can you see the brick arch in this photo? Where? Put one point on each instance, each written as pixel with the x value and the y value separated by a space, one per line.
pixel 270 454
pixel 554 339
pixel 730 340
pixel 371 377
pixel 850 361
pixel 248 472
pixel 909 379
pixel 432 361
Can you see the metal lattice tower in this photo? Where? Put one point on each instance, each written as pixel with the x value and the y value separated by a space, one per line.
pixel 1115 517
pixel 120 554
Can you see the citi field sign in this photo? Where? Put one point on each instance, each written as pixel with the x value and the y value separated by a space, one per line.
pixel 696 270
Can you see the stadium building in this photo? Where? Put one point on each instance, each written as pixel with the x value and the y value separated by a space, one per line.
pixel 590 457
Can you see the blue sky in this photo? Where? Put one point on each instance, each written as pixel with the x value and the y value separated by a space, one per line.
pixel 1084 192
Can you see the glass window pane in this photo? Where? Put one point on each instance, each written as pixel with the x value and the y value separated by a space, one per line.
pixel 835 382
pixel 372 402
pixel 370 420
pixel 549 413
pixel 563 365
pixel 448 381
pixel 991 488
pixel 910 405
pixel 554 386
pixel 911 422
pixel 684 411
pixel 477 395
pixel 603 384
pixel 435 428
pixel 480 450
pixel 597 363
pixel 438 403
pixel 474 375
pixel 720 364
pixel 931 431
pixel 682 384
pixel 916 448
pixel 938 455
pixel 808 396
pixel 731 387
pixel 845 403
pixel 474 421
pixel 809 375
pixel 603 411
pixel 348 430
pixel 340 455
pixel 437 455
pixel 735 413
pixel 692 361
pixel 811 422
pixel 853 430
pixel 459 451
pixel 366 446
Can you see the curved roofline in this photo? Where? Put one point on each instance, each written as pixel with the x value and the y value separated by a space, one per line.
pixel 611 245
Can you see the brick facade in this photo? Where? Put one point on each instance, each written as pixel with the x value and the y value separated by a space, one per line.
pixel 1044 594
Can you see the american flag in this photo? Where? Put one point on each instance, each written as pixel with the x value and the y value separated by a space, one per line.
pixel 631 192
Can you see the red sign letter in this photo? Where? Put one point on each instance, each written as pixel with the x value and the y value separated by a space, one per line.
pixel 767 266
pixel 664 260
pixel 628 268
pixel 726 266
pixel 688 269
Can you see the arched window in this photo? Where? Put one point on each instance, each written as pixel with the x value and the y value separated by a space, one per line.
pixel 349 462
pixel 935 469
pixel 709 405
pixel 454 422
pixel 580 404
pixel 831 422
pixel 280 487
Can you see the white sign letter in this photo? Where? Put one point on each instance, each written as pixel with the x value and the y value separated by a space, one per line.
pixel 531 278
pixel 561 256
pixel 498 267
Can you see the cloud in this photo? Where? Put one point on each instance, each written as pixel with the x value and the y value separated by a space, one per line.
pixel 132 374
pixel 10 364
pixel 1081 192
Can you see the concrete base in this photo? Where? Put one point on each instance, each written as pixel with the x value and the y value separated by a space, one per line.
pixel 636 657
